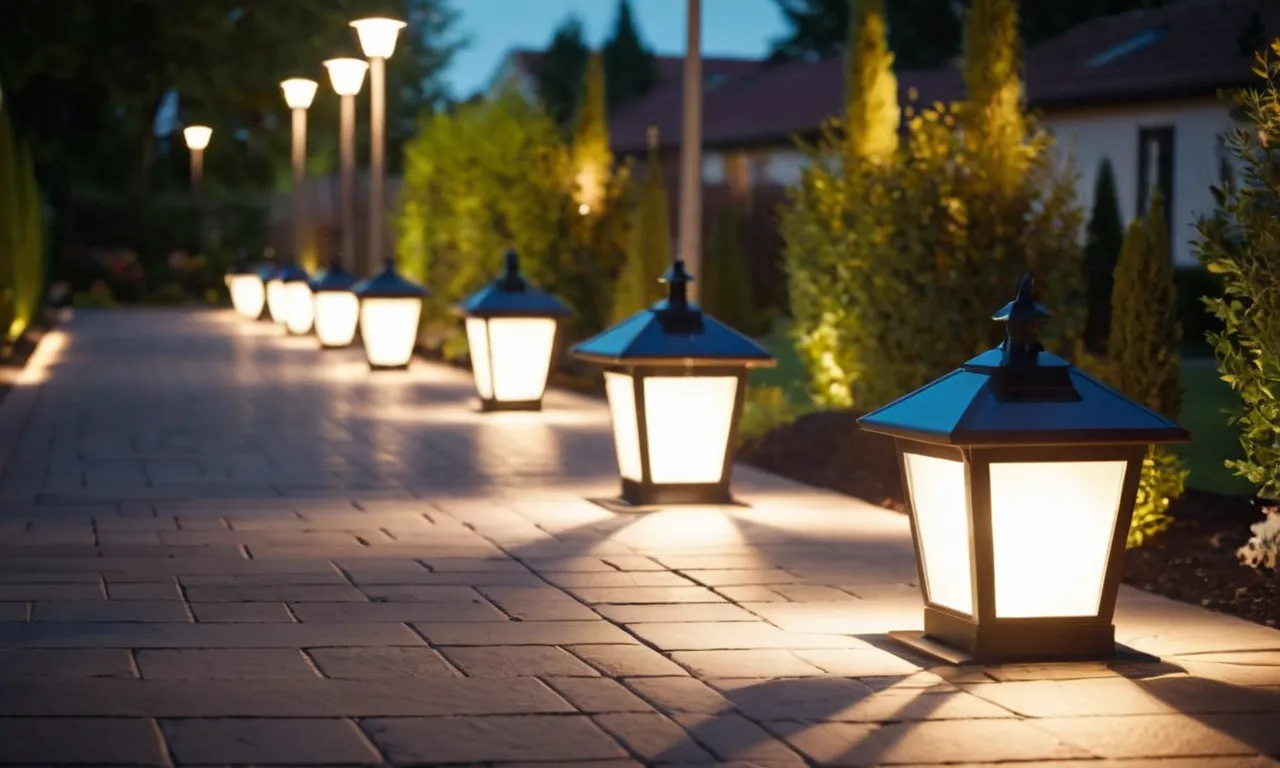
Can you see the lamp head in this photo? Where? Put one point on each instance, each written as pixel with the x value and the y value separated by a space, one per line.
pixel 197 136
pixel 378 36
pixel 299 92
pixel 347 75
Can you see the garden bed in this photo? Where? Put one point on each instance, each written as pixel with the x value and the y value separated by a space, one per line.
pixel 1194 561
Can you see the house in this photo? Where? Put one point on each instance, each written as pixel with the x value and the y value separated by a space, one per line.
pixel 1140 89
pixel 519 69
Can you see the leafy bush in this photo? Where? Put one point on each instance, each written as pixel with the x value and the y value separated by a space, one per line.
pixel 1241 242
pixel 896 261
pixel 1195 284
pixel 726 292
pixel 168 294
pixel 1144 363
pixel 97 297
pixel 21 235
pixel 764 409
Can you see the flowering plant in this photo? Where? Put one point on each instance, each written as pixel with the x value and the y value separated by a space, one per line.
pixel 1262 551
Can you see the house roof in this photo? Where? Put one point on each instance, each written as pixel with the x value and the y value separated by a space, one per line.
pixel 1187 48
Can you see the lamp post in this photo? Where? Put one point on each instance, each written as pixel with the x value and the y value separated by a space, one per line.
pixel 1021 474
pixel 690 222
pixel 197 138
pixel 298 94
pixel 511 332
pixel 337 310
pixel 347 77
pixel 675 380
pixel 378 41
pixel 390 308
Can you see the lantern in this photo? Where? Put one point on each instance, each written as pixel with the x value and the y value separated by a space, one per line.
pixel 675 380
pixel 1021 474
pixel 248 294
pixel 275 292
pixel 390 307
pixel 511 330
pixel 291 288
pixel 337 310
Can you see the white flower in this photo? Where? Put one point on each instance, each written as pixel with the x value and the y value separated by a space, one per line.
pixel 1263 550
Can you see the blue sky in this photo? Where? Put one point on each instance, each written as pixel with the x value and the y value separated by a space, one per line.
pixel 729 28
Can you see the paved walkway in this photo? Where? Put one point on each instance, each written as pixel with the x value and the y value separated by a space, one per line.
pixel 219 546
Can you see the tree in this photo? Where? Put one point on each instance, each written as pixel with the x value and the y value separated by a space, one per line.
pixel 561 70
pixel 726 291
pixel 592 160
pixel 872 114
pixel 1238 243
pixel 630 66
pixel 994 123
pixel 649 248
pixel 1102 248
pixel 1144 362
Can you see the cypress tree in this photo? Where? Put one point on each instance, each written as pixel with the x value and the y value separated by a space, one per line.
pixel 994 123
pixel 631 67
pixel 1144 361
pixel 1101 251
pixel 726 290
pixel 560 72
pixel 592 160
pixel 872 114
pixel 649 247
pixel 10 224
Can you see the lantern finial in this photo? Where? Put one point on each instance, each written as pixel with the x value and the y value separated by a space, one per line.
pixel 512 281
pixel 389 265
pixel 1022 318
pixel 676 314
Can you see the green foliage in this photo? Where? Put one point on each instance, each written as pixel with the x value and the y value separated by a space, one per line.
pixel 560 71
pixel 21 236
pixel 895 268
pixel 1144 363
pixel 872 113
pixel 1102 249
pixel 1195 284
pixel 1241 242
pixel 592 159
pixel 726 291
pixel 764 409
pixel 630 65
pixel 649 246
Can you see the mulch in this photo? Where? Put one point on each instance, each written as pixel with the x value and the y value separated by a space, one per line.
pixel 1193 561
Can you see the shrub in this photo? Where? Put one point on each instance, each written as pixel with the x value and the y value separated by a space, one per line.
pixel 1239 242
pixel 1144 361
pixel 649 245
pixel 764 409
pixel 1101 251
pixel 1195 284
pixel 21 235
pixel 726 292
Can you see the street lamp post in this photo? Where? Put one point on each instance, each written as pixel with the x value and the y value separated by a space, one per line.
pixel 691 149
pixel 347 76
pixel 298 94
pixel 197 138
pixel 378 41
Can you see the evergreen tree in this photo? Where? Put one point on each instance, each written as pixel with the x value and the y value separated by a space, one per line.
pixel 630 67
pixel 1144 362
pixel 592 160
pixel 649 247
pixel 872 113
pixel 726 290
pixel 1102 249
pixel 560 72
pixel 994 123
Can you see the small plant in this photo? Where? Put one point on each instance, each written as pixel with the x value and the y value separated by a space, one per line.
pixel 764 409
pixel 1262 551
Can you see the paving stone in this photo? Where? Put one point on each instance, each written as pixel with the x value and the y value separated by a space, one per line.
pixel 35 591
pixel 384 663
pixel 402 593
pixel 753 664
pixel 14 611
pixel 627 661
pixel 1168 735
pixel 654 737
pixel 682 613
pixel 401 612
pixel 98 740
pixel 612 578
pixel 144 591
pixel 522 633
pixel 951 741
pixel 224 664
pixel 750 594
pixel 860 662
pixel 111 611
pixel 843 700
pixel 644 595
pixel 477 740
pixel 241 613
pixel 680 694
pixel 322 578
pixel 17 663
pixel 741 578
pixel 274 594
pixel 1066 698
pixel 706 636
pixel 117 635
pixel 594 695
pixel 732 737
pixel 275 741
pixel 517 661
pixel 547 610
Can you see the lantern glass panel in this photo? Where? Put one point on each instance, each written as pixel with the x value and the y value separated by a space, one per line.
pixel 687 421
pixel 478 344
pixel 277 302
pixel 621 390
pixel 939 502
pixel 1052 524
pixel 301 309
pixel 247 294
pixel 520 352
pixel 389 328
pixel 337 313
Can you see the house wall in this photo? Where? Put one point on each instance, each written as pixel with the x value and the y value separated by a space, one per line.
pixel 1090 135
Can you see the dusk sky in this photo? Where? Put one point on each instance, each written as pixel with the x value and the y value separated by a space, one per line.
pixel 729 28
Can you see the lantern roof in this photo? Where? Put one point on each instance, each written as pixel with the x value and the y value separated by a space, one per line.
pixel 674 331
pixel 291 273
pixel 511 295
pixel 388 284
pixel 333 279
pixel 1019 394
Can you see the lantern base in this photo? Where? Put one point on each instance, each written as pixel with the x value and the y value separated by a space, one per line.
pixel 489 406
pixel 401 367
pixel 335 346
pixel 653 494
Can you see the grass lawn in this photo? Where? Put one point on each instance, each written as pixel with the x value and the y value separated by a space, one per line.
pixel 1212 439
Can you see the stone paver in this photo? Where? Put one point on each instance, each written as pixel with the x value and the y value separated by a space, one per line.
pixel 219 546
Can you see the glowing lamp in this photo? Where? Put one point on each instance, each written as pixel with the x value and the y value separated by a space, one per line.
pixel 675 380
pixel 1021 474
pixel 511 330
pixel 279 295
pixel 248 294
pixel 390 307
pixel 197 136
pixel 337 310
pixel 299 308
pixel 299 92
pixel 378 36
pixel 347 75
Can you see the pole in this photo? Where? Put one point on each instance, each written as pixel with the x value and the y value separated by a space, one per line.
pixel 347 191
pixel 377 143
pixel 299 178
pixel 197 190
pixel 691 151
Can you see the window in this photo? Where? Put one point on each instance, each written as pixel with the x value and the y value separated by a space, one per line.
pixel 1155 169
